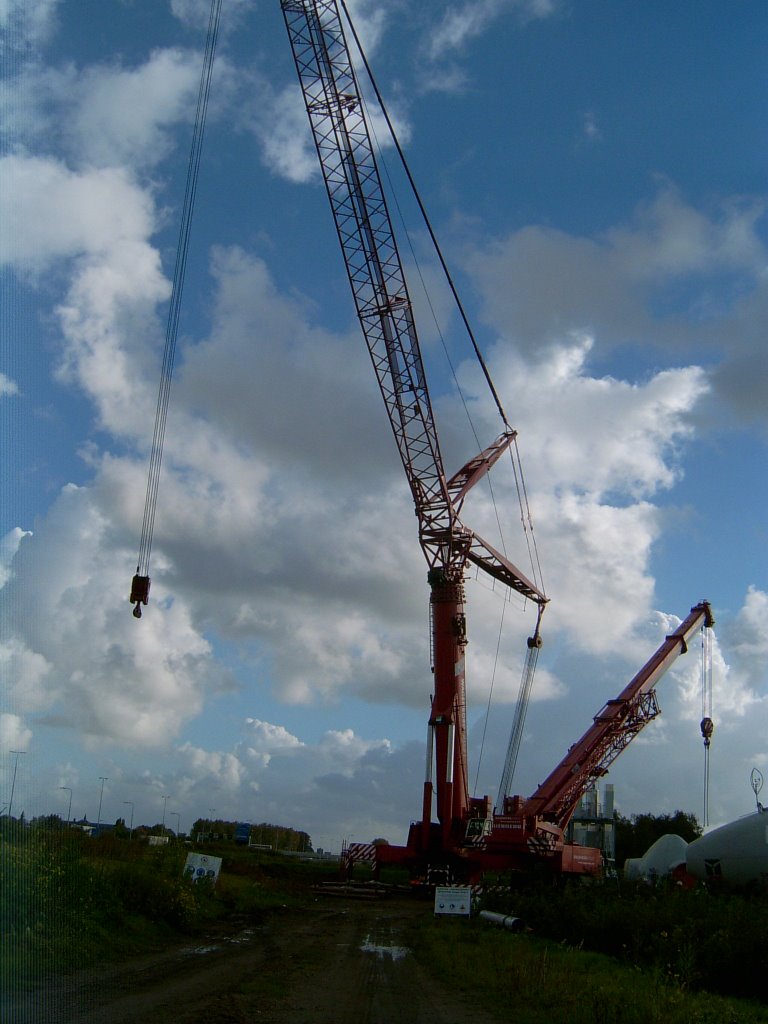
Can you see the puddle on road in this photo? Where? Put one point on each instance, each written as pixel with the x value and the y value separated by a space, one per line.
pixel 232 940
pixel 381 951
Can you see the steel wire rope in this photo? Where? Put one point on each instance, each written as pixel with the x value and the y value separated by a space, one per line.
pixel 516 461
pixel 490 700
pixel 172 326
pixel 518 725
pixel 706 711
pixel 527 522
pixel 422 210
pixel 525 517
pixel 521 489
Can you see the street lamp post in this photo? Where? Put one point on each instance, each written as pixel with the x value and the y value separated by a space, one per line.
pixel 129 803
pixel 177 816
pixel 103 778
pixel 69 809
pixel 13 784
pixel 165 804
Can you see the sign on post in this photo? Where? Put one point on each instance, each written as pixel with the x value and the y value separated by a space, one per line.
pixel 200 866
pixel 454 899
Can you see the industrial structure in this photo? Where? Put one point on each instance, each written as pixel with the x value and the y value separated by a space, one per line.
pixel 593 822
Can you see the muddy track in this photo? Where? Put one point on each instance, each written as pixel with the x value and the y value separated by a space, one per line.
pixel 340 962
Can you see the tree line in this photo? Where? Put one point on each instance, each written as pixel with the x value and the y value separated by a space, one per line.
pixel 278 837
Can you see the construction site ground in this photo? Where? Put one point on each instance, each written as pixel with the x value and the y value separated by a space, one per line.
pixel 341 960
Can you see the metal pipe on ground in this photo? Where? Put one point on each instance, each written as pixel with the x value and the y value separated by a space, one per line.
pixel 512 924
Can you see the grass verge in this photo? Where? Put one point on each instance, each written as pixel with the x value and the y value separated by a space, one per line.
pixel 529 980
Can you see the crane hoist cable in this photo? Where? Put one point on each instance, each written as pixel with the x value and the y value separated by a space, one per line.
pixel 425 217
pixel 141 581
pixel 525 516
pixel 519 480
pixel 707 724
pixel 518 722
pixel 534 642
pixel 490 699
pixel 514 450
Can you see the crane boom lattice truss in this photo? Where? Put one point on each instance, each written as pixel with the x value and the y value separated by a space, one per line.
pixel 336 114
pixel 351 175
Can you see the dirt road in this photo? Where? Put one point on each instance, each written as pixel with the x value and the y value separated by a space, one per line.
pixel 341 962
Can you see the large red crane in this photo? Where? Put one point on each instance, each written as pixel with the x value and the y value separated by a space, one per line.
pixel 468 837
pixel 335 108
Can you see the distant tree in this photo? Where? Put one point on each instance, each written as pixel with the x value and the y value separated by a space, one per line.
pixel 279 837
pixel 636 835
pixel 121 830
pixel 47 823
pixel 10 828
pixel 159 830
pixel 209 827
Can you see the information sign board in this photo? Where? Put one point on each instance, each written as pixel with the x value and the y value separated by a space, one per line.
pixel 454 899
pixel 200 865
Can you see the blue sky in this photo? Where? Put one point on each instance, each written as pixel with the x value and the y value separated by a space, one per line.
pixel 596 173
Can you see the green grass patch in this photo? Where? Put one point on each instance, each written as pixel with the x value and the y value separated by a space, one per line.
pixel 529 980
pixel 68 901
pixel 603 955
pixel 699 939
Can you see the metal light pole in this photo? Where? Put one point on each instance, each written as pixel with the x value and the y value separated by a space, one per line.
pixel 104 778
pixel 13 784
pixel 130 803
pixel 177 816
pixel 165 804
pixel 69 809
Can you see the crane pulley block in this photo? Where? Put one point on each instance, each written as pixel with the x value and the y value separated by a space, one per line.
pixel 707 728
pixel 139 593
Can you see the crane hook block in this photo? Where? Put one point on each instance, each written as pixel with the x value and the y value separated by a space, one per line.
pixel 139 593
pixel 707 728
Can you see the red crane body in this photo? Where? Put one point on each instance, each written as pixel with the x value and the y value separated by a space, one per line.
pixel 467 837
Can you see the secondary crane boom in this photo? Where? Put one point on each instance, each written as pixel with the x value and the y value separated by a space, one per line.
pixel 533 828
pixel 613 728
pixel 335 109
